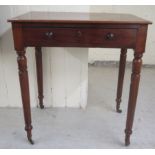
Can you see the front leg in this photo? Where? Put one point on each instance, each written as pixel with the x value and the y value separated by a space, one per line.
pixel 24 85
pixel 135 78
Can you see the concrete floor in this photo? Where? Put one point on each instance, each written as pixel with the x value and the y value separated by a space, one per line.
pixel 99 126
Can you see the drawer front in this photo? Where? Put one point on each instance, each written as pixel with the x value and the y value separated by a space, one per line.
pixel 80 37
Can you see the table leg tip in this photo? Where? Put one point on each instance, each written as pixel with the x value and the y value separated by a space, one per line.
pixel 127 143
pixel 119 110
pixel 31 141
pixel 41 106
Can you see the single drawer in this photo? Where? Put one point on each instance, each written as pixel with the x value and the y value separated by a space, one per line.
pixel 82 37
pixel 50 36
pixel 110 38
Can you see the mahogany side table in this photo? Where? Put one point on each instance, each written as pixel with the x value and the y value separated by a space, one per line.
pixel 47 29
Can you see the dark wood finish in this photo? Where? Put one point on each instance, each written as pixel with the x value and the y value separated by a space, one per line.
pixel 83 37
pixel 23 77
pixel 24 84
pixel 135 77
pixel 38 54
pixel 122 64
pixel 80 30
pixel 81 18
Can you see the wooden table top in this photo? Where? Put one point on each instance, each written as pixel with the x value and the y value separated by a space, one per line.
pixel 72 17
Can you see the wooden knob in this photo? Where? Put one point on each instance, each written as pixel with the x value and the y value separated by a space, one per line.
pixel 49 34
pixel 79 33
pixel 110 36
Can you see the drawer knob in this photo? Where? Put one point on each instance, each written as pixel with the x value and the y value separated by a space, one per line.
pixel 79 33
pixel 49 34
pixel 110 36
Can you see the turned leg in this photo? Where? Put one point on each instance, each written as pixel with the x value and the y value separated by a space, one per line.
pixel 122 64
pixel 135 77
pixel 24 85
pixel 38 54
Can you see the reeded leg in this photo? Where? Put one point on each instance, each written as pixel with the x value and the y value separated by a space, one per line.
pixel 122 64
pixel 39 69
pixel 135 77
pixel 24 85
